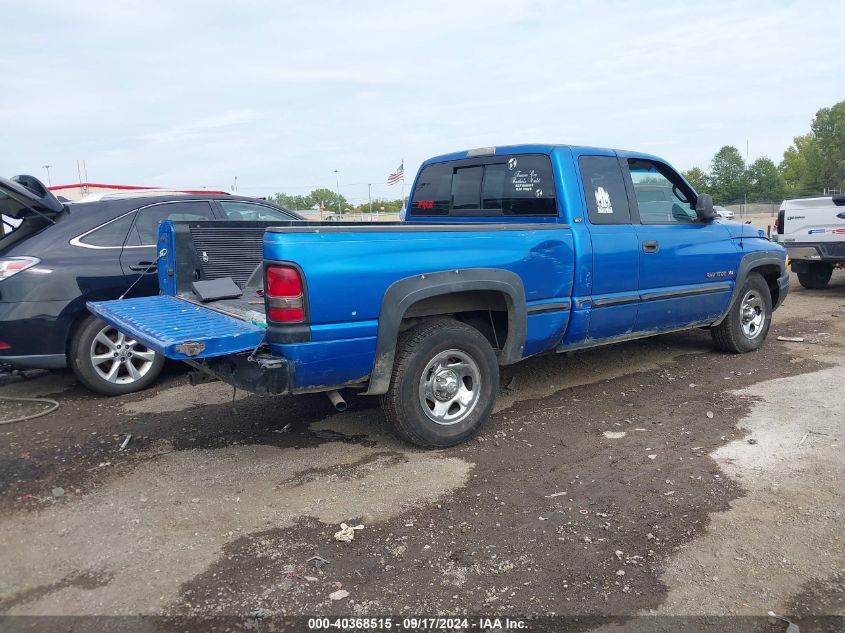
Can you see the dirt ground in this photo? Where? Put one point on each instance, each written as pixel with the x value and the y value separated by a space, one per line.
pixel 657 477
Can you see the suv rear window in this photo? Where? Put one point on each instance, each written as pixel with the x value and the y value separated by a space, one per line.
pixel 520 185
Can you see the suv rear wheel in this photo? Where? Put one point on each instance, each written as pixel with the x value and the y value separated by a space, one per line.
pixel 818 277
pixel 444 384
pixel 109 362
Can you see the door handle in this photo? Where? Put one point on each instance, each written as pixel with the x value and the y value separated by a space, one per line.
pixel 650 246
pixel 149 267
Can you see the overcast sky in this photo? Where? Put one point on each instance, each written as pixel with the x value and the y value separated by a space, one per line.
pixel 280 94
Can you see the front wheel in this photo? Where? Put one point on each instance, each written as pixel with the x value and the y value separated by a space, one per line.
pixel 818 276
pixel 444 384
pixel 747 323
pixel 109 362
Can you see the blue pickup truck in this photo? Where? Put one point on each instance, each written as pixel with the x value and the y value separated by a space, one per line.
pixel 503 253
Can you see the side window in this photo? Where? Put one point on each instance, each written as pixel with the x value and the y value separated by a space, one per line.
pixel 661 196
pixel 604 188
pixel 112 233
pixel 239 210
pixel 521 185
pixel 145 231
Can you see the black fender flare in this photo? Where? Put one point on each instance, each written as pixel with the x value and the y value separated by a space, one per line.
pixel 402 294
pixel 747 264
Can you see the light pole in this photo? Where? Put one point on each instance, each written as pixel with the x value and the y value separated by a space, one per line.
pixel 370 196
pixel 337 184
pixel 47 167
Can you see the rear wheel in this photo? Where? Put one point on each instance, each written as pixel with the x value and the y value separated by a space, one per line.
pixel 109 362
pixel 444 384
pixel 818 276
pixel 747 323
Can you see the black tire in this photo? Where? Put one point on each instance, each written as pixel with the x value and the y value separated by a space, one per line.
pixel 453 342
pixel 736 332
pixel 818 277
pixel 85 347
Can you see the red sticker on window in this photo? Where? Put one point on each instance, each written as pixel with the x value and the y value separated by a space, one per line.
pixel 425 204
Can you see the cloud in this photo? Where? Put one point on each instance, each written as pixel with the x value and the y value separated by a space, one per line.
pixel 280 94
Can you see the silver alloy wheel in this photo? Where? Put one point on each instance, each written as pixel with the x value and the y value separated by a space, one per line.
pixel 450 387
pixel 118 359
pixel 752 314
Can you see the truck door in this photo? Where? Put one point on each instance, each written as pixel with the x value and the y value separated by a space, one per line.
pixel 139 256
pixel 687 268
pixel 614 241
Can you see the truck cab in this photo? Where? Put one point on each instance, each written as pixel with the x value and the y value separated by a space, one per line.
pixel 504 253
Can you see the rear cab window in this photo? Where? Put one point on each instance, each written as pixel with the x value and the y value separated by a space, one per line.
pixel 492 186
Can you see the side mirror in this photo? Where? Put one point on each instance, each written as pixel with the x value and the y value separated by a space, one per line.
pixel 704 208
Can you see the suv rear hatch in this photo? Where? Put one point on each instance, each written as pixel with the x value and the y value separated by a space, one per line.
pixel 25 196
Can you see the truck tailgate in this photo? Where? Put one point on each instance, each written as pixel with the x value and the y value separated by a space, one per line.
pixel 177 328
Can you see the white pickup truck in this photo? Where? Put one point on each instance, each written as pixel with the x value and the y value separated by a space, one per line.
pixel 813 232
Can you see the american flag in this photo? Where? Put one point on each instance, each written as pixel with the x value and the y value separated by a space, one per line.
pixel 397 175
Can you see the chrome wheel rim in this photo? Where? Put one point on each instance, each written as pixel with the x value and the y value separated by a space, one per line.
pixel 450 386
pixel 752 314
pixel 118 359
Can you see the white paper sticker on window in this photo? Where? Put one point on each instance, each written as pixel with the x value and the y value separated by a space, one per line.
pixel 603 201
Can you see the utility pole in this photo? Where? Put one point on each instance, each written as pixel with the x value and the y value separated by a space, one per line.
pixel 47 167
pixel 370 196
pixel 337 184
pixel 745 206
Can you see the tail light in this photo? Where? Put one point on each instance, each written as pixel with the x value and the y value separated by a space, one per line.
pixel 12 265
pixel 779 226
pixel 5 345
pixel 283 290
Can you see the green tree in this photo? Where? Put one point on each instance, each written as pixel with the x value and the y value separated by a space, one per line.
pixel 389 206
pixel 765 181
pixel 800 167
pixel 828 129
pixel 698 178
pixel 329 199
pixel 727 176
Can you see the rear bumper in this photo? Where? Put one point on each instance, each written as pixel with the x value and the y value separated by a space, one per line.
pixel 831 252
pixel 36 334
pixel 265 375
pixel 35 361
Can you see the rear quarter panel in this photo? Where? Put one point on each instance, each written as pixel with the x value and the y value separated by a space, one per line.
pixel 347 273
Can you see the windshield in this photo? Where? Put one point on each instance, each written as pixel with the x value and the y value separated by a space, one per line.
pixel 15 231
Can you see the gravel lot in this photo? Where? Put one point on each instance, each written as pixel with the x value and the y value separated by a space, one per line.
pixel 654 477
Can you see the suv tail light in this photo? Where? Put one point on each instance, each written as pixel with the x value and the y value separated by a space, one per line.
pixel 283 289
pixel 779 223
pixel 12 265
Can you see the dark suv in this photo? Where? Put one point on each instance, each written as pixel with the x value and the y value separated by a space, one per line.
pixel 55 256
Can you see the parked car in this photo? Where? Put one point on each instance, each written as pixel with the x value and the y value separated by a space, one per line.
pixel 506 253
pixel 722 212
pixel 58 256
pixel 813 232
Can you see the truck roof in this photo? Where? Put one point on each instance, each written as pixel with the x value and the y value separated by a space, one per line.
pixel 538 148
